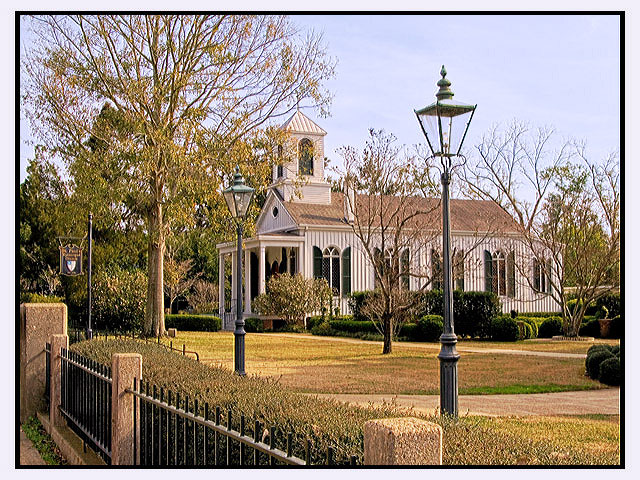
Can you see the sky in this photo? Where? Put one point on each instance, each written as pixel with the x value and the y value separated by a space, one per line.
pixel 548 70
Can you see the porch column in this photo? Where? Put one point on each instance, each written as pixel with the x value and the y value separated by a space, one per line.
pixel 221 284
pixel 233 282
pixel 261 271
pixel 247 281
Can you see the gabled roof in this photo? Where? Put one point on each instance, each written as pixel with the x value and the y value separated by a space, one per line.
pixel 300 123
pixel 466 215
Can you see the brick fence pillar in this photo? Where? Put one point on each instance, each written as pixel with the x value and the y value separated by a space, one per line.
pixel 37 322
pixel 124 368
pixel 402 441
pixel 57 342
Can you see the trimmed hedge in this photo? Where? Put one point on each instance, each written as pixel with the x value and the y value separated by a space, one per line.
pixel 193 323
pixel 590 329
pixel 594 360
pixel 253 325
pixel 352 326
pixel 473 312
pixel 550 327
pixel 429 328
pixel 28 297
pixel 541 315
pixel 504 329
pixel 525 331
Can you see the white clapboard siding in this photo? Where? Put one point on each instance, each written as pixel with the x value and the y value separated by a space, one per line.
pixel 362 275
pixel 268 223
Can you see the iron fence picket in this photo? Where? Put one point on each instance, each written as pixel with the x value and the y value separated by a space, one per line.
pixel 86 399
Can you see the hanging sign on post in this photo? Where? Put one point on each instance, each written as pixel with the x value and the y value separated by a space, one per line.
pixel 70 260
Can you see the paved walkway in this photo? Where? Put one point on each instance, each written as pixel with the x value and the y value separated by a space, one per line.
pixel 605 401
pixel 28 454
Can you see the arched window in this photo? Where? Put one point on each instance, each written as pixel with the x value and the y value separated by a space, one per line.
pixel 280 169
pixel 331 268
pixel 500 273
pixel 499 270
pixel 305 157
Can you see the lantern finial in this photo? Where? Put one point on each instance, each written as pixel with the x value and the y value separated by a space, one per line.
pixel 445 92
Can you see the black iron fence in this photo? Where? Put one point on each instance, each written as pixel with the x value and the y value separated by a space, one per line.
pixel 177 431
pixel 86 400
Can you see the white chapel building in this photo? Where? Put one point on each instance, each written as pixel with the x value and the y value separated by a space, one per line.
pixel 304 228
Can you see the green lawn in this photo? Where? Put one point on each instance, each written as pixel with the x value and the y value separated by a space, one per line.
pixel 323 365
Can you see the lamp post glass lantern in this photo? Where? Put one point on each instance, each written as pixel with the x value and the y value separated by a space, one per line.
pixel 238 197
pixel 445 124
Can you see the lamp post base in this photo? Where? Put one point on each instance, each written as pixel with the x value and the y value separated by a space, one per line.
pixel 239 334
pixel 448 357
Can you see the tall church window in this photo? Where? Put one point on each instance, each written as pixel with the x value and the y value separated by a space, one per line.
pixel 305 157
pixel 331 268
pixel 499 270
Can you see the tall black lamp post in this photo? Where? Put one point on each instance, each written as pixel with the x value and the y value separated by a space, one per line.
pixel 238 196
pixel 444 124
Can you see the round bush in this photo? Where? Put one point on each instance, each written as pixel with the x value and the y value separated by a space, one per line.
pixel 594 360
pixel 590 329
pixel 550 327
pixel 609 372
pixel 597 347
pixel 533 324
pixel 429 328
pixel 524 330
pixel 253 324
pixel 504 329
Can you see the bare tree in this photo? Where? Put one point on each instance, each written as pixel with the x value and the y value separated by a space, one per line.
pixel 567 209
pixel 384 191
pixel 179 98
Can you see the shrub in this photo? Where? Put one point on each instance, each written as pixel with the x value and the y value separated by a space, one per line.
pixel 542 315
pixel 596 347
pixel 193 323
pixel 594 360
pixel 119 298
pixel 292 297
pixel 603 312
pixel 533 323
pixel 409 331
pixel 616 350
pixel 28 297
pixel 525 331
pixel 473 311
pixel 429 328
pixel 356 301
pixel 504 328
pixel 590 329
pixel 353 327
pixel 610 372
pixel 616 327
pixel 550 327
pixel 254 325
pixel 323 329
pixel 612 303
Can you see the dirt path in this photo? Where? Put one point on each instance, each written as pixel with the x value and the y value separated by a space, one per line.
pixel 606 401
pixel 436 347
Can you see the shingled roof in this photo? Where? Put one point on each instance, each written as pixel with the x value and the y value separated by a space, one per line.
pixel 466 215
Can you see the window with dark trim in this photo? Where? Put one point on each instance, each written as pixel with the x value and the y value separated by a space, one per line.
pixel 331 268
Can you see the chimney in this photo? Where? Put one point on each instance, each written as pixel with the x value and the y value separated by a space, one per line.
pixel 349 201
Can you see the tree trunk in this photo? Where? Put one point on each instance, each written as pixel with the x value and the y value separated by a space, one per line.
pixel 387 331
pixel 154 311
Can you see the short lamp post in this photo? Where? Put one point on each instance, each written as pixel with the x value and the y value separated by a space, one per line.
pixel 238 197
pixel 445 124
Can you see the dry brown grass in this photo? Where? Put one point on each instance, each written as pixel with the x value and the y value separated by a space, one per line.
pixel 319 365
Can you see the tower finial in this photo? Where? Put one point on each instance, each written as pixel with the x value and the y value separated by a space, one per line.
pixel 445 92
